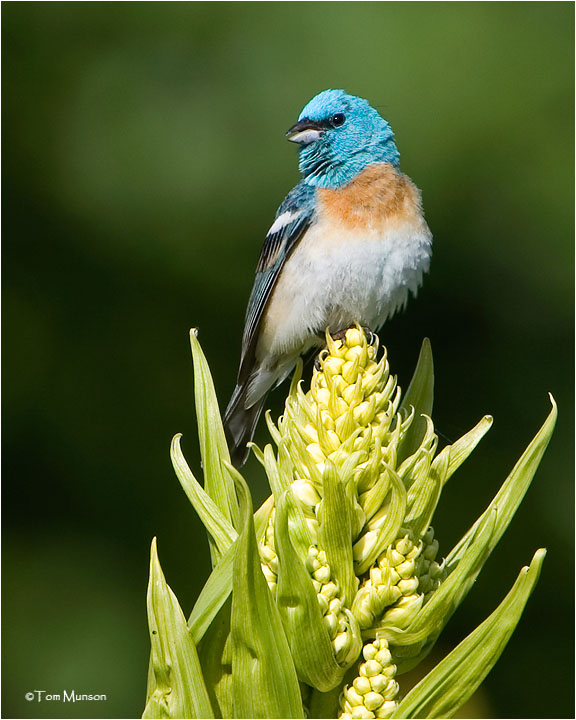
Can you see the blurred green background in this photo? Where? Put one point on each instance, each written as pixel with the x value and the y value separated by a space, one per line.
pixel 144 158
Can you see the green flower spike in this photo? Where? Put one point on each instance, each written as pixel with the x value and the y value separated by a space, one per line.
pixel 321 600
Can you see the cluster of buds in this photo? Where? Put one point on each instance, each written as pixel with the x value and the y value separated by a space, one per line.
pixel 373 692
pixel 401 580
pixel 350 424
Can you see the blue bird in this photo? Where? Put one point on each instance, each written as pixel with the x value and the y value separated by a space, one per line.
pixel 348 245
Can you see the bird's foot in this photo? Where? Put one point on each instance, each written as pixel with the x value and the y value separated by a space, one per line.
pixel 370 336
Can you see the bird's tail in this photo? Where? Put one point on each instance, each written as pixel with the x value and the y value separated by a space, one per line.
pixel 240 423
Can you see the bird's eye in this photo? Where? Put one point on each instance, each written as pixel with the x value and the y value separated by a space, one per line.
pixel 337 120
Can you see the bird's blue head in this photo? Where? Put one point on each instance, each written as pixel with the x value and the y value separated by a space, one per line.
pixel 340 135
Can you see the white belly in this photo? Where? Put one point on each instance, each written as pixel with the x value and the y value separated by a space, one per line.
pixel 337 276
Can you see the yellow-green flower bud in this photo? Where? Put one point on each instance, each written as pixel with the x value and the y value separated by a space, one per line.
pixel 305 492
pixel 268 557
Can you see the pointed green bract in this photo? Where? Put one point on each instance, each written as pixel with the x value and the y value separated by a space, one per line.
pixel 213 448
pixel 215 655
pixel 221 531
pixel 461 449
pixel 264 679
pixel 423 496
pixel 213 596
pixel 420 397
pixel 301 615
pixel 176 688
pixel 447 687
pixel 512 492
pixel 335 519
pixel 278 481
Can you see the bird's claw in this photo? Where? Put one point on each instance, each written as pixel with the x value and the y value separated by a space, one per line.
pixel 370 336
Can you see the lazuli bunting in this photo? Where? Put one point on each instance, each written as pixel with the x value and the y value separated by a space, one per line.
pixel 348 245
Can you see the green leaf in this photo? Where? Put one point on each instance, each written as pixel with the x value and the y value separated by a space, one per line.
pixel 213 596
pixel 335 518
pixel 420 396
pixel 150 680
pixel 512 492
pixel 447 687
pixel 213 447
pixel 462 448
pixel 177 689
pixel 220 529
pixel 215 653
pixel 219 585
pixel 264 679
pixel 296 599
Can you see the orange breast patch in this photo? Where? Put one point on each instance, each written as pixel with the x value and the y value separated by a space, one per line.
pixel 380 193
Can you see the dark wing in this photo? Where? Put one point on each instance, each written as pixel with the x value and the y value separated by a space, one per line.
pixel 293 218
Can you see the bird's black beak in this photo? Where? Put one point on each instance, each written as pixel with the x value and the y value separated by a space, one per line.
pixel 305 131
